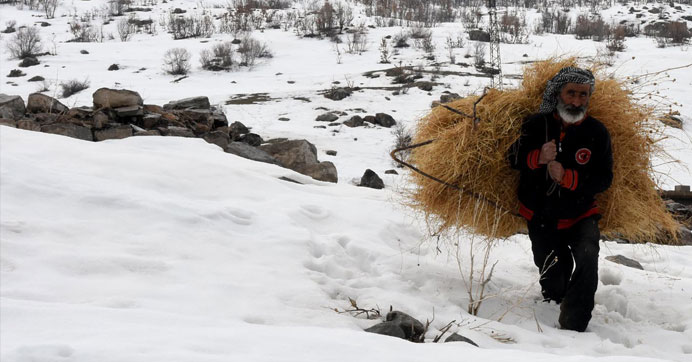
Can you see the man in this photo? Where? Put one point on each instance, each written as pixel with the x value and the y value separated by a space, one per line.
pixel 565 159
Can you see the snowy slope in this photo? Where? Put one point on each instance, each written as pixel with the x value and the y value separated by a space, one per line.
pixel 167 249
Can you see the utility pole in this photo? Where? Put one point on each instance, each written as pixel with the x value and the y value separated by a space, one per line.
pixel 495 63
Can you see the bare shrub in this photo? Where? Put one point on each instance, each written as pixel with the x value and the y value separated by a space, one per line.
pixel 357 42
pixel 677 32
pixel 49 7
pixel 325 18
pixel 586 28
pixel 73 86
pixel 401 40
pixel 125 29
pixel 85 32
pixel 193 26
pixel 117 7
pixel 251 49
pixel 24 43
pixel 616 39
pixel 403 137
pixel 514 28
pixel 177 61
pixel 385 51
pixel 220 57
pixel 343 14
pixel 479 54
pixel 419 32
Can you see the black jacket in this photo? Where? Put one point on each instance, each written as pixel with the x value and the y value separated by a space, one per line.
pixel 584 152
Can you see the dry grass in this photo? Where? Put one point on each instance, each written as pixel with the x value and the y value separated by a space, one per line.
pixel 473 157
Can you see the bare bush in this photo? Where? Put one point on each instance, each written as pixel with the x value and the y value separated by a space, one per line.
pixel 403 137
pixel 677 32
pixel 73 86
pixel 616 39
pixel 220 57
pixel 176 61
pixel 401 40
pixel 85 32
pixel 251 49
pixel 514 29
pixel 193 26
pixel 325 18
pixel 385 51
pixel 586 28
pixel 479 54
pixel 125 29
pixel 24 43
pixel 117 7
pixel 357 42
pixel 343 14
pixel 49 7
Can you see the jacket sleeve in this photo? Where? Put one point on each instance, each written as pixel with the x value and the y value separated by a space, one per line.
pixel 523 155
pixel 599 176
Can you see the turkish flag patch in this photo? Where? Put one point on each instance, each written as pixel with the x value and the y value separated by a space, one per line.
pixel 583 156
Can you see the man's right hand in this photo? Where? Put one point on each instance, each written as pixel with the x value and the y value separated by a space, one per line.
pixel 548 152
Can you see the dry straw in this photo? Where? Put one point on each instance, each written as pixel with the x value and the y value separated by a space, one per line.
pixel 473 157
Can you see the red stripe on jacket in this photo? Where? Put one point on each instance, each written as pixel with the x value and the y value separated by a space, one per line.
pixel 561 223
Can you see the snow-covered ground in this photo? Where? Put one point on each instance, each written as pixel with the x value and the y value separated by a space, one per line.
pixel 167 249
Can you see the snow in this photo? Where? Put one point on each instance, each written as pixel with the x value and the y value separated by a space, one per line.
pixel 168 249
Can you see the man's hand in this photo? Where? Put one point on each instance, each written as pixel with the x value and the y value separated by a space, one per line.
pixel 548 153
pixel 556 171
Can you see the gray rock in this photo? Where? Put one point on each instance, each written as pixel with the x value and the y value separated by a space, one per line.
pixel 252 153
pixel 391 329
pixel 189 103
pixel 29 125
pixel 99 120
pixel 179 132
pixel 11 107
pixel 218 138
pixel 323 171
pixel 371 179
pixel 113 133
pixel 623 260
pixel 196 115
pixel 252 139
pixel 292 154
pixel 426 86
pixel 237 129
pixel 29 62
pixel 413 328
pixel 391 172
pixel 69 130
pixel 338 94
pixel 459 338
pixel 327 117
pixel 370 119
pixel 41 103
pixel 448 97
pixel 355 121
pixel 219 120
pixel 115 98
pixel 152 120
pixel 331 152
pixel 149 132
pixel 384 120
pixel 129 111
pixel 479 35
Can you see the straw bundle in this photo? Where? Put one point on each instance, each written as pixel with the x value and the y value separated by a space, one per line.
pixel 474 158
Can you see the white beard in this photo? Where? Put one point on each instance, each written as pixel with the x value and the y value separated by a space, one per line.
pixel 568 117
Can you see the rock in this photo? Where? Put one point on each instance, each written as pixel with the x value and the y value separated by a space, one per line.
pixel 113 133
pixel 16 73
pixel 412 327
pixel 459 338
pixel 426 86
pixel 116 98
pixel 284 119
pixel 391 329
pixel 292 154
pixel 152 120
pixel 337 94
pixel 252 153
pixel 355 121
pixel 149 132
pixel 46 118
pixel 331 152
pixel 391 172
pixel 113 67
pixel 195 115
pixel 323 171
pixel 8 122
pixel 179 132
pixel 448 97
pixel 36 78
pixel 370 119
pixel 371 180
pixel 129 111
pixel 685 236
pixel 219 120
pixel 237 129
pixel 28 62
pixel 218 138
pixel 11 107
pixel 384 120
pixel 99 120
pixel 69 130
pixel 82 113
pixel 623 260
pixel 252 139
pixel 41 103
pixel 188 103
pixel 327 117
pixel 83 51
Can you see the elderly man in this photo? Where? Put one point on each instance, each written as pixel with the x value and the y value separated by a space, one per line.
pixel 565 159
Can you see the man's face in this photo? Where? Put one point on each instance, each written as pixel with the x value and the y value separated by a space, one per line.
pixel 572 101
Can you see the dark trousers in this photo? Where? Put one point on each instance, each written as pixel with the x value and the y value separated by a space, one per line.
pixel 568 262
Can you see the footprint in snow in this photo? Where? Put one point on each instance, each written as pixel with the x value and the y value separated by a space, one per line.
pixel 236 216
pixel 314 212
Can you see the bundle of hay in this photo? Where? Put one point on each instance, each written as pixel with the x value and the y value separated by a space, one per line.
pixel 473 157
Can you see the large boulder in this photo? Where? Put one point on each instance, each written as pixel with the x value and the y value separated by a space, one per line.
pixel 355 121
pixel 372 180
pixel 237 129
pixel 69 130
pixel 301 156
pixel 384 120
pixel 188 103
pixel 41 103
pixel 412 327
pixel 218 138
pixel 11 107
pixel 252 153
pixel 327 117
pixel 116 98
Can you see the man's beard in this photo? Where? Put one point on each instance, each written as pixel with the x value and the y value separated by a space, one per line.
pixel 569 113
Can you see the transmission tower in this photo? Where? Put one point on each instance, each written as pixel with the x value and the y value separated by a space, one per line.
pixel 495 63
